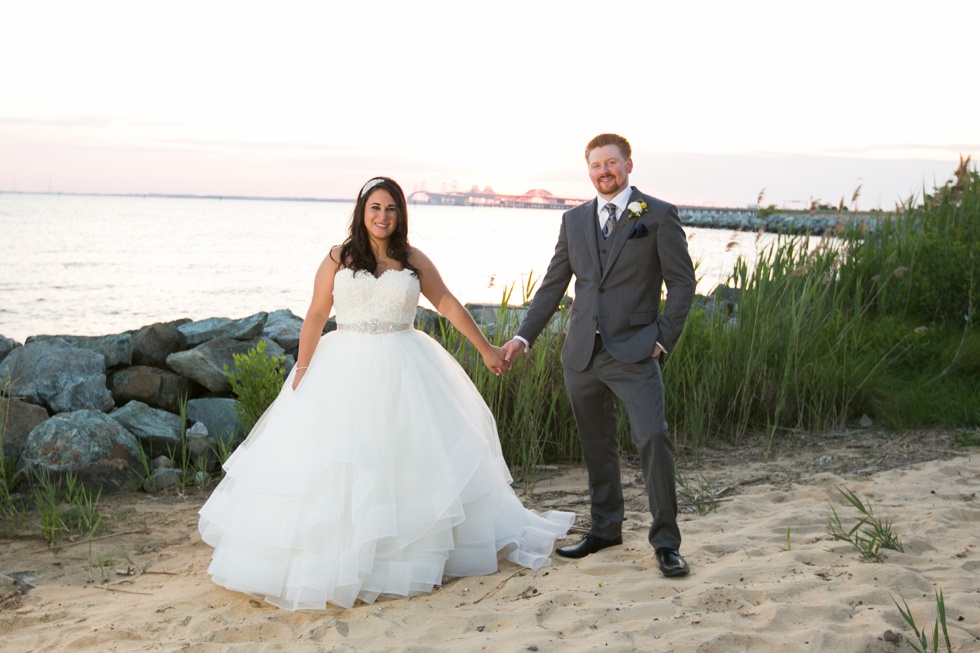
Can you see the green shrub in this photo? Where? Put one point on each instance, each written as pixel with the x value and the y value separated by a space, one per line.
pixel 256 382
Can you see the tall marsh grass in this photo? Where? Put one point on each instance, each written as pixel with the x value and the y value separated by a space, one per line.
pixel 877 320
pixel 534 418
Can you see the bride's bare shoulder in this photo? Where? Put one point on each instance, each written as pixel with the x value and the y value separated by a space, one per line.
pixel 418 259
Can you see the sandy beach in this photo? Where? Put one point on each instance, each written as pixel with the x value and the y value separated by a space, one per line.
pixel 766 575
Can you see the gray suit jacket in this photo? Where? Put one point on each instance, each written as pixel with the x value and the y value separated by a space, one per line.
pixel 622 302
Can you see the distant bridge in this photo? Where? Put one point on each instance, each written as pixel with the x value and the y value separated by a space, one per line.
pixel 742 219
pixel 542 199
pixel 532 199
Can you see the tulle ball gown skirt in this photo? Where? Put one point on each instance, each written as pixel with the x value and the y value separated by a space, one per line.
pixel 380 475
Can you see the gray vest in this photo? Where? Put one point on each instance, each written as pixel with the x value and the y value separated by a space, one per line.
pixel 603 244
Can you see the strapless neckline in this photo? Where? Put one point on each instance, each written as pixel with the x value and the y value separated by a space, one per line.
pixel 375 277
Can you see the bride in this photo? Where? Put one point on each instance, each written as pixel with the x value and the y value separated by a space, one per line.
pixel 377 470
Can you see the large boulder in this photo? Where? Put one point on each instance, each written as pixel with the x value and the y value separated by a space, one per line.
pixel 283 328
pixel 55 374
pixel 87 443
pixel 117 349
pixel 157 431
pixel 205 363
pixel 153 343
pixel 17 420
pixel 150 385
pixel 192 334
pixel 7 345
pixel 219 417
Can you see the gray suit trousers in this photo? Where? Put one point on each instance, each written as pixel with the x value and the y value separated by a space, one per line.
pixel 640 387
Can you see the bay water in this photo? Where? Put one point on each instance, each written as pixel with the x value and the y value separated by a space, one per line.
pixel 98 264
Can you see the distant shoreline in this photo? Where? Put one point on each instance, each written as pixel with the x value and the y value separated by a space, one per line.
pixel 683 208
pixel 180 196
pixel 709 217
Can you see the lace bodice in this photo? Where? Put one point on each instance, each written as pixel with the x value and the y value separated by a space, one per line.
pixel 362 299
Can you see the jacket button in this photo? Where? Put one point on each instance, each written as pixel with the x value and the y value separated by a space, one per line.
pixel 595 318
pixel 602 290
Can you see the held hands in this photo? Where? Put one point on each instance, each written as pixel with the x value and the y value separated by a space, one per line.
pixel 495 360
pixel 657 351
pixel 513 350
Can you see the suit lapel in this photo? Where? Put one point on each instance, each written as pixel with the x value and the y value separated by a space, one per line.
pixel 621 235
pixel 590 238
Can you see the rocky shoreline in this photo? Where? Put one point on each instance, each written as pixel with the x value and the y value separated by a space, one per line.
pixel 107 408
pixel 102 407
pixel 754 220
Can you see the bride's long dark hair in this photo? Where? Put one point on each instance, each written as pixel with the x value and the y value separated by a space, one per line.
pixel 356 252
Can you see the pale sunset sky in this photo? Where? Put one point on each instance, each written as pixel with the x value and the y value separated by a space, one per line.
pixel 310 99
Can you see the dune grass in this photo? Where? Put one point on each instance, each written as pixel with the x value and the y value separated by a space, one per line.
pixel 878 320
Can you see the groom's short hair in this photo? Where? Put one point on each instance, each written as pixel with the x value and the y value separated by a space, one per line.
pixel 610 139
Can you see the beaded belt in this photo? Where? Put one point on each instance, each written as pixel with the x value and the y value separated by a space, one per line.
pixel 374 328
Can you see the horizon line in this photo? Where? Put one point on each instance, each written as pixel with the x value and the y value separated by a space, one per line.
pixel 178 195
pixel 279 198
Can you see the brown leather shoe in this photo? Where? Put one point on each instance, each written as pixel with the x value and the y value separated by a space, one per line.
pixel 589 544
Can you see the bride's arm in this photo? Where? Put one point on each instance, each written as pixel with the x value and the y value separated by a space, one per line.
pixel 445 302
pixel 317 314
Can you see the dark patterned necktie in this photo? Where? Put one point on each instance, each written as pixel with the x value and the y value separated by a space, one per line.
pixel 610 223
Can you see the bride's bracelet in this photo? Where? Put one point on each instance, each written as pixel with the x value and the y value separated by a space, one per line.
pixel 303 368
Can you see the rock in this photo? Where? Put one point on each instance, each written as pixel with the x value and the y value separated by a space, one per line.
pixel 162 479
pixel 199 430
pixel 283 328
pixel 722 302
pixel 150 385
pixel 201 448
pixel 17 420
pixel 57 375
pixel 205 363
pixel 152 344
pixel 201 452
pixel 219 417
pixel 7 345
pixel 88 443
pixel 192 334
pixel 162 462
pixel 7 584
pixel 117 349
pixel 866 422
pixel 157 431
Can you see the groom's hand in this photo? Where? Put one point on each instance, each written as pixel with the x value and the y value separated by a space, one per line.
pixel 513 350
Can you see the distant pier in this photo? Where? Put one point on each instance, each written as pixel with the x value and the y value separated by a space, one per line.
pixel 533 199
pixel 740 219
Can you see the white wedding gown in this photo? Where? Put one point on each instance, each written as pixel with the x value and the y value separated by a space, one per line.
pixel 379 475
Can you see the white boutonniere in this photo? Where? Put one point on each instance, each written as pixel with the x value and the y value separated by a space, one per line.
pixel 636 209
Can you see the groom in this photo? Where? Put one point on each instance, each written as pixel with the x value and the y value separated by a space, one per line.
pixel 622 248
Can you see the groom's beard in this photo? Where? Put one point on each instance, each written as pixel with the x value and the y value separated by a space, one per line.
pixel 608 185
